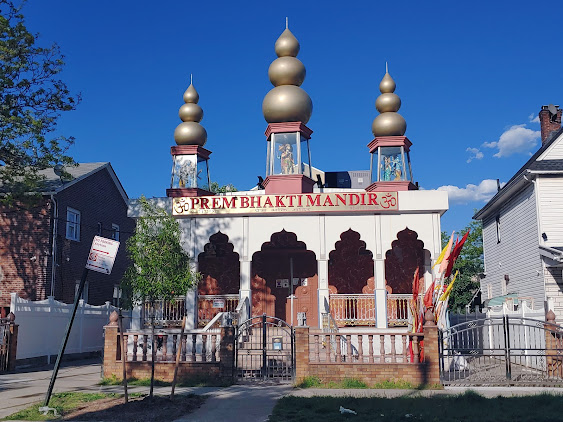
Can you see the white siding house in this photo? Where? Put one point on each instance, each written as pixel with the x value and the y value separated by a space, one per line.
pixel 523 232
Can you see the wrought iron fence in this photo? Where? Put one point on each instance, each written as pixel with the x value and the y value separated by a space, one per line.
pixel 502 350
pixel 398 309
pixel 5 341
pixel 167 313
pixel 353 309
pixel 210 305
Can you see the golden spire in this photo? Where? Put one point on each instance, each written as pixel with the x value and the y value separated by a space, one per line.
pixel 286 102
pixel 389 122
pixel 190 132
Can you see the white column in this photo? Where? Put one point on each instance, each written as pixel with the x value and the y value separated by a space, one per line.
pixel 191 302
pixel 323 292
pixel 136 317
pixel 245 290
pixel 380 293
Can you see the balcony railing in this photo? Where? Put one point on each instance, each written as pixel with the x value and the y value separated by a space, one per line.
pixel 353 310
pixel 210 305
pixel 359 309
pixel 167 313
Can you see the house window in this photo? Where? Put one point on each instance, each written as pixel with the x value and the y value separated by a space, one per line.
pixel 72 224
pixel 100 228
pixel 84 295
pixel 498 228
pixel 115 231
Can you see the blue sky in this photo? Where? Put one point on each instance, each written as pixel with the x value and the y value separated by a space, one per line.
pixel 471 75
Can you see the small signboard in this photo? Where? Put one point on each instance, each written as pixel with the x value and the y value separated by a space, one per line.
pixel 102 254
pixel 277 343
pixel 218 303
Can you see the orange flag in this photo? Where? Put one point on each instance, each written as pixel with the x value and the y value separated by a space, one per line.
pixel 455 253
pixel 444 262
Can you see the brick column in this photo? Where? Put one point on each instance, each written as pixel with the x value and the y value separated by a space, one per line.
pixel 111 346
pixel 12 353
pixel 553 363
pixel 301 353
pixel 431 364
pixel 226 352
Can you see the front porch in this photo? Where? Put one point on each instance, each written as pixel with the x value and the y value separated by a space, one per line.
pixel 345 310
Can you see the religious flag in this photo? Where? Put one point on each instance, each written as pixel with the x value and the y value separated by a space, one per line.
pixel 443 253
pixel 415 285
pixel 429 296
pixel 445 259
pixel 450 287
pixel 455 253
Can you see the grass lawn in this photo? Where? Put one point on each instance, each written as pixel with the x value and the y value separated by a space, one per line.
pixel 466 407
pixel 185 382
pixel 74 406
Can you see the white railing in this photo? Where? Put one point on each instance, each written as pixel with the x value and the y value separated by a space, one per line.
pixel 167 313
pixel 353 310
pixel 398 309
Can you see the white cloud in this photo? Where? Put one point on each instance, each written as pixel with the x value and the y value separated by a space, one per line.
pixel 474 154
pixel 534 118
pixel 517 139
pixel 471 193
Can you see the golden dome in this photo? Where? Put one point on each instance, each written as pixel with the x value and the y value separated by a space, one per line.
pixel 389 122
pixel 286 71
pixel 287 44
pixel 190 132
pixel 287 102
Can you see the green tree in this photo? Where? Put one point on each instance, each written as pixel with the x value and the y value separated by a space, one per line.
pixel 160 267
pixel 32 98
pixel 470 265
pixel 216 188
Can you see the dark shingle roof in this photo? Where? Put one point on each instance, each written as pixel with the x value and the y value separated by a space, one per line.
pixel 547 165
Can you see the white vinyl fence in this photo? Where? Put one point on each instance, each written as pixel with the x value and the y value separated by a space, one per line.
pixel 42 325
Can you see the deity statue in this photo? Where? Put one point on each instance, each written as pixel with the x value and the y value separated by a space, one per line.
pixel 286 157
pixel 396 162
pixel 387 169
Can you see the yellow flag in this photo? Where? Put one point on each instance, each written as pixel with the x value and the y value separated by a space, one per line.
pixel 443 253
pixel 444 263
pixel 449 288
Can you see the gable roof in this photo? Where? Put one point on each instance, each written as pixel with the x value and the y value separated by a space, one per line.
pixel 518 180
pixel 53 183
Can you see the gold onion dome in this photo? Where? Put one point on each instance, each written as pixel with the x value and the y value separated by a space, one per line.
pixel 286 102
pixel 389 122
pixel 190 132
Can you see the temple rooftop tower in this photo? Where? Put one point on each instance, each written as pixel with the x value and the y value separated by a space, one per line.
pixel 190 171
pixel 287 108
pixel 390 159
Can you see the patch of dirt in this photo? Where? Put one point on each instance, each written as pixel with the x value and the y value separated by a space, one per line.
pixel 143 409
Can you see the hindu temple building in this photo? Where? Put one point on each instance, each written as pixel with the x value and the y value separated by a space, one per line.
pixel 302 242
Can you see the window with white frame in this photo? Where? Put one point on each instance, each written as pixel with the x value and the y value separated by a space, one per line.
pixel 115 231
pixel 72 224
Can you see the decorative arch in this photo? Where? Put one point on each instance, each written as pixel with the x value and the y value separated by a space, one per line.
pixel 350 266
pixel 272 264
pixel 406 254
pixel 219 265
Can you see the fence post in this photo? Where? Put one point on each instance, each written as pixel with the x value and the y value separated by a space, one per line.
pixel 301 353
pixel 226 352
pixel 431 363
pixel 111 346
pixel 12 352
pixel 506 328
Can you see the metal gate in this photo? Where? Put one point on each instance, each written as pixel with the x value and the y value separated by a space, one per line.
pixel 264 350
pixel 500 351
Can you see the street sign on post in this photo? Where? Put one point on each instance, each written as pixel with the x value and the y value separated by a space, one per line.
pixel 102 255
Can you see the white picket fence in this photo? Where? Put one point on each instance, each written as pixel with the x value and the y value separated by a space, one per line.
pixel 42 325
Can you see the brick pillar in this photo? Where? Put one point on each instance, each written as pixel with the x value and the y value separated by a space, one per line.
pixel 226 352
pixel 12 353
pixel 431 352
pixel 301 353
pixel 553 363
pixel 111 346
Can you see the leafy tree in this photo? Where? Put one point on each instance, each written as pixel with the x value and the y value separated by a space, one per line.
pixel 470 265
pixel 160 267
pixel 32 98
pixel 216 188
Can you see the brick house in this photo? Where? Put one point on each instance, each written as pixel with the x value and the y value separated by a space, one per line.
pixel 43 248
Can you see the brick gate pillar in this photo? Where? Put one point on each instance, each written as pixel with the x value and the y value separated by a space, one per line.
pixel 431 364
pixel 12 353
pixel 226 352
pixel 301 353
pixel 110 347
